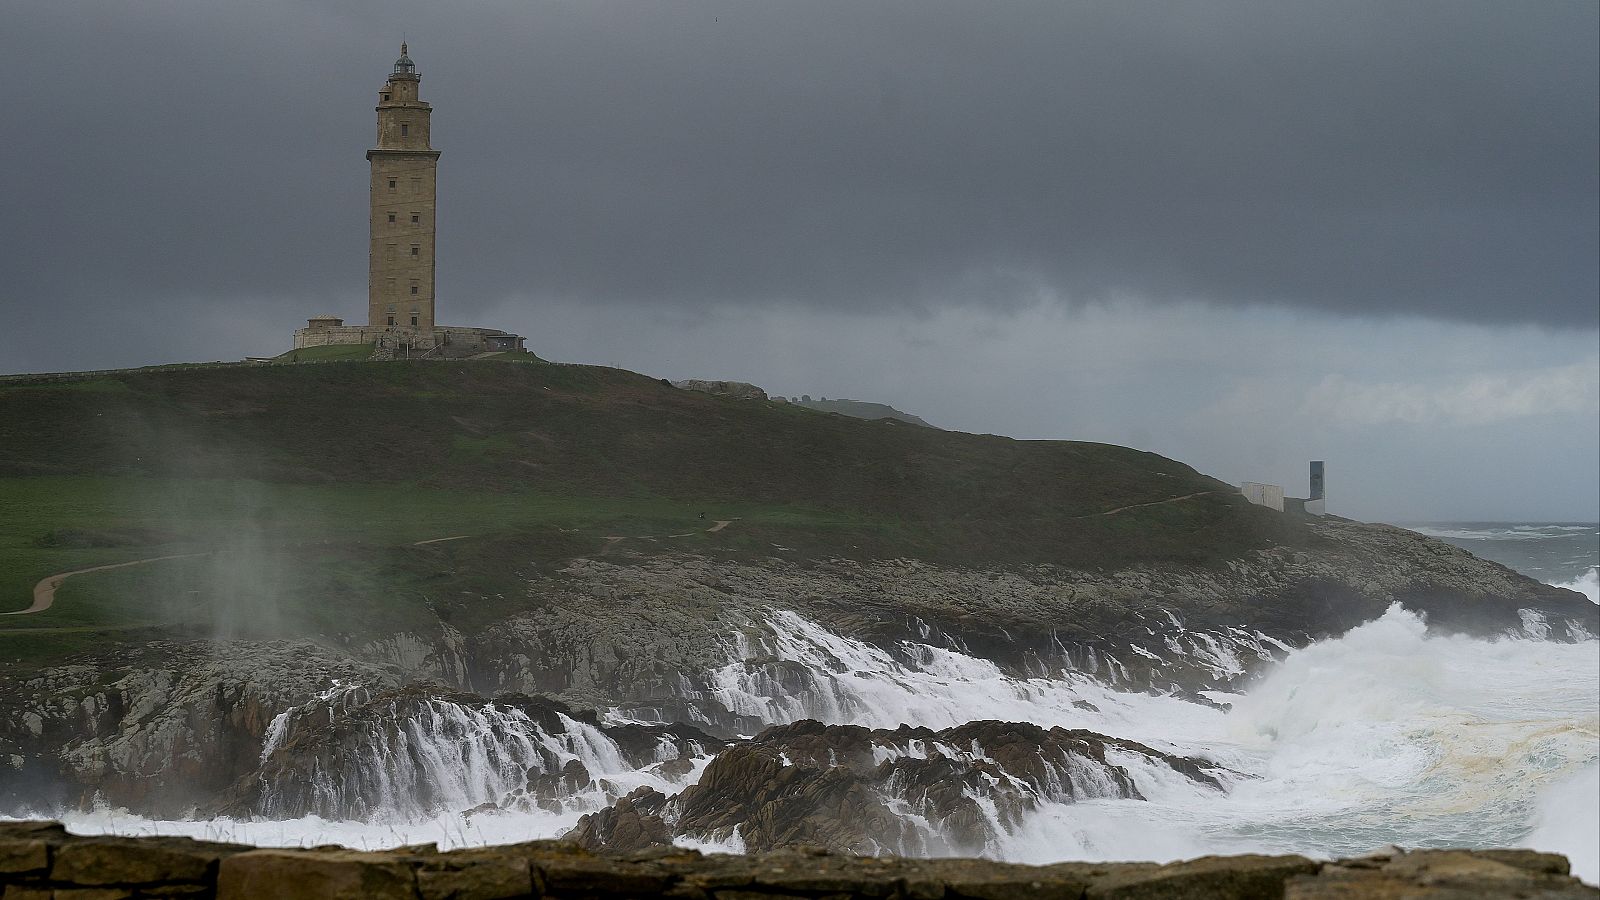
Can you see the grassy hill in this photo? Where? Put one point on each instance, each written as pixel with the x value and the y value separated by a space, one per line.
pixel 301 492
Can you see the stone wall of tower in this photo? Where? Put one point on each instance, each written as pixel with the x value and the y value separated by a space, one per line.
pixel 400 273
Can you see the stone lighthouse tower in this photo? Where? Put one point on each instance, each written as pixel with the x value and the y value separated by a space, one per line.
pixel 400 223
pixel 400 259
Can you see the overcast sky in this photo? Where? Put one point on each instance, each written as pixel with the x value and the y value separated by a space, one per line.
pixel 1244 235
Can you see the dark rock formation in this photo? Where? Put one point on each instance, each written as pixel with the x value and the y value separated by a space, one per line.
pixel 847 788
pixel 39 860
pixel 421 750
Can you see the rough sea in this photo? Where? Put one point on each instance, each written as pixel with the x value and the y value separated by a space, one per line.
pixel 1385 735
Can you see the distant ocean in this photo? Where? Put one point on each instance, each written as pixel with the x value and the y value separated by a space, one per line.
pixel 1566 554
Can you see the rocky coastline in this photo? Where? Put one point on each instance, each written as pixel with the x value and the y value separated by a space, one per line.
pixel 172 725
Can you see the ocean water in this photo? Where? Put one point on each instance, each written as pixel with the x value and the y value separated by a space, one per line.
pixel 1561 553
pixel 1385 735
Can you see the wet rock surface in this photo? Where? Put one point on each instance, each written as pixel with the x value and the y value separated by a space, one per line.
pixel 420 751
pixel 160 729
pixel 853 789
pixel 40 860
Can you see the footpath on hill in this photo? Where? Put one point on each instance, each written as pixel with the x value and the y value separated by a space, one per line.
pixel 44 593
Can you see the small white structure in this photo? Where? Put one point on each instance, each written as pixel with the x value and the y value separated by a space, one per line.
pixel 1268 495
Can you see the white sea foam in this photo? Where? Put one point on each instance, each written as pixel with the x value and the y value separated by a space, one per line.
pixel 1502 533
pixel 1566 822
pixel 1385 735
pixel 1587 584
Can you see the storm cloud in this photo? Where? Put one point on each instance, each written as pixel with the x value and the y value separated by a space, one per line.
pixel 1243 235
pixel 1428 158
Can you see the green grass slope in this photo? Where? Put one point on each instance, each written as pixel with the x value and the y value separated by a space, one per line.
pixel 303 490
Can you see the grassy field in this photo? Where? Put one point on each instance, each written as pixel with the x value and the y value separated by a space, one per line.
pixel 327 353
pixel 284 560
pixel 304 489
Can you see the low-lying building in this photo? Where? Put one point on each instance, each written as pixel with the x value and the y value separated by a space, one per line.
pixel 401 341
pixel 1268 495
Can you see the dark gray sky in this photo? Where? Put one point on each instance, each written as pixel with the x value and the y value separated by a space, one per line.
pixel 623 181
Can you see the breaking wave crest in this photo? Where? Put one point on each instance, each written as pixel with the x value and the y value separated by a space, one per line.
pixel 1587 584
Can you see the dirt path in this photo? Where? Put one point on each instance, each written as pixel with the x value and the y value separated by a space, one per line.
pixel 457 537
pixel 613 540
pixel 44 593
pixel 1112 512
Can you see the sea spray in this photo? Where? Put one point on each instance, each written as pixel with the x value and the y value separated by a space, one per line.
pixel 1587 584
pixel 405 758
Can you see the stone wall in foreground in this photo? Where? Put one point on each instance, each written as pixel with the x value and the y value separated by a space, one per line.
pixel 40 861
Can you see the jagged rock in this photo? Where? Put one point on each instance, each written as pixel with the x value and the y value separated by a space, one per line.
pixel 423 750
pixel 831 786
pixel 573 777
pixel 632 823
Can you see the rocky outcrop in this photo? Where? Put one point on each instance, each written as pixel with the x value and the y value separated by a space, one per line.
pixel 736 390
pixel 39 860
pixel 161 729
pixel 860 790
pixel 638 630
pixel 418 751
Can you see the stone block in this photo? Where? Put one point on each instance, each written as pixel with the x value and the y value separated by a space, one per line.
pixel 1248 877
pixel 475 875
pixel 315 875
pixel 152 860
pixel 572 871
pixel 24 892
pixel 979 879
pixel 23 857
pixel 1445 875
pixel 799 873
pixel 1532 860
pixel 33 831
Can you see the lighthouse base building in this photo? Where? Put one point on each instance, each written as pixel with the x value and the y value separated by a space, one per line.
pixel 400 254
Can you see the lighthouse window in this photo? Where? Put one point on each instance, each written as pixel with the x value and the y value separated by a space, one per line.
pixel 415 218
pixel 405 130
pixel 391 218
pixel 413 289
pixel 416 250
pixel 391 184
pixel 386 98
